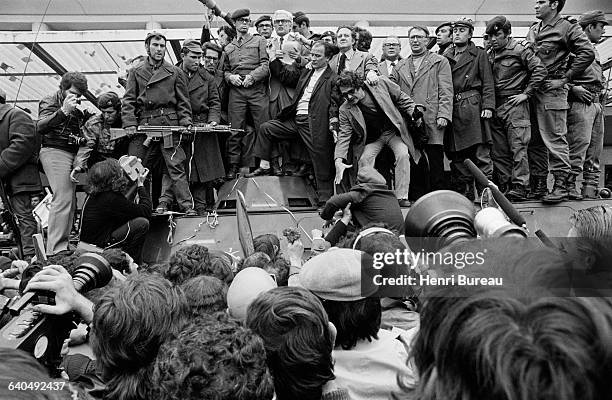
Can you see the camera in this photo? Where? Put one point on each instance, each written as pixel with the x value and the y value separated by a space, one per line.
pixel 43 335
pixel 74 139
pixel 78 101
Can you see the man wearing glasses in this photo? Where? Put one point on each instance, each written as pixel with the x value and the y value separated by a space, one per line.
pixel 246 68
pixel 391 55
pixel 426 77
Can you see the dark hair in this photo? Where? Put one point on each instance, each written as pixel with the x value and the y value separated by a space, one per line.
pixel 117 259
pixel 280 268
pixel 295 330
pixel 350 79
pixel 354 320
pixel 205 295
pixel 419 27
pixel 156 36
pixel 212 358
pixel 195 260
pixel 19 367
pixel 266 243
pixel 76 79
pixel 299 17
pixel 130 323
pixel 330 49
pixel 213 47
pixel 229 31
pixel 106 176
pixel 257 260
pixel 350 28
pixel 364 39
pixel 561 4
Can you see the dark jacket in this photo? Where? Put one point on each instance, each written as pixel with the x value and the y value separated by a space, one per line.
pixel 471 72
pixel 370 200
pixel 151 89
pixel 55 126
pixel 19 146
pixel 205 155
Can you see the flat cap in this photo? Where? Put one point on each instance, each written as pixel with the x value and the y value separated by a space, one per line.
pixel 154 34
pixel 261 19
pixel 449 24
pixel 241 13
pixel 108 99
pixel 280 15
pixel 497 24
pixel 591 17
pixel 464 21
pixel 245 287
pixel 337 275
pixel 192 45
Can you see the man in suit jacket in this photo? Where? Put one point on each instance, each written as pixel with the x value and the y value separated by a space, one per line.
pixel 391 55
pixel 426 77
pixel 373 117
pixel 364 64
pixel 311 116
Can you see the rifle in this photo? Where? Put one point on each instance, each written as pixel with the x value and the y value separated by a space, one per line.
pixel 155 132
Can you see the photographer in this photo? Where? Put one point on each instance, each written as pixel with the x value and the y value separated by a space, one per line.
pixel 60 123
pixel 109 219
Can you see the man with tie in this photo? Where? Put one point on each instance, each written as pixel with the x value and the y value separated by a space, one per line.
pixel 246 70
pixel 311 116
pixel 426 77
pixel 391 55
pixel 364 64
pixel 156 94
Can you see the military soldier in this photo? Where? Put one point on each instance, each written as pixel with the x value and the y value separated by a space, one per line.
pixel 156 94
pixel 585 115
pixel 554 38
pixel 205 163
pixel 473 107
pixel 246 70
pixel 517 72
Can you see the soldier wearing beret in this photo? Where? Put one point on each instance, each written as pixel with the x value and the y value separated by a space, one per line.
pixel 96 130
pixel 474 102
pixel 205 163
pixel 264 26
pixel 246 69
pixel 517 73
pixel 585 115
pixel 444 36
pixel 554 38
pixel 156 94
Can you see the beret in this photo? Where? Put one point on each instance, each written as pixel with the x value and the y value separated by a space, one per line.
pixel 497 24
pixel 337 275
pixel 591 17
pixel 449 24
pixel 299 17
pixel 262 19
pixel 192 45
pixel 108 99
pixel 282 15
pixel 153 34
pixel 464 21
pixel 241 13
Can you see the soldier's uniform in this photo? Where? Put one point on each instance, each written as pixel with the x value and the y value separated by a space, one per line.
pixel 585 122
pixel 516 70
pixel 157 95
pixel 548 148
pixel 246 55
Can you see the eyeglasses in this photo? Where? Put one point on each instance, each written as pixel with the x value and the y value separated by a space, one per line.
pixel 391 45
pixel 282 21
pixel 417 37
pixel 244 20
pixel 209 58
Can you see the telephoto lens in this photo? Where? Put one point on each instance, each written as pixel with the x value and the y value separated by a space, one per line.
pixel 93 271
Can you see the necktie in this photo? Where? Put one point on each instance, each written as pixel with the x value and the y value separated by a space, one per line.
pixel 281 42
pixel 392 66
pixel 342 63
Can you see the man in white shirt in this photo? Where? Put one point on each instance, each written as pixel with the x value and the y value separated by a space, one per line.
pixel 311 116
pixel 391 55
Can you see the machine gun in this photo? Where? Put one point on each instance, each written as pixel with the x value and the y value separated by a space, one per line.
pixel 156 132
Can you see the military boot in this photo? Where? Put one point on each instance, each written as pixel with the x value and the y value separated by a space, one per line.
pixel 589 192
pixel 539 188
pixel 573 193
pixel 559 192
pixel 517 193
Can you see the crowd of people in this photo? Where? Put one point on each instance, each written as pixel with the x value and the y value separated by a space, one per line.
pixel 287 324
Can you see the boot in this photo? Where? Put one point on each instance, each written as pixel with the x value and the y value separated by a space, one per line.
pixel 573 193
pixel 276 169
pixel 539 188
pixel 233 171
pixel 517 193
pixel 589 192
pixel 559 192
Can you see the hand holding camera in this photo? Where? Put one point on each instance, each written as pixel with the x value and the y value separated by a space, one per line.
pixel 70 103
